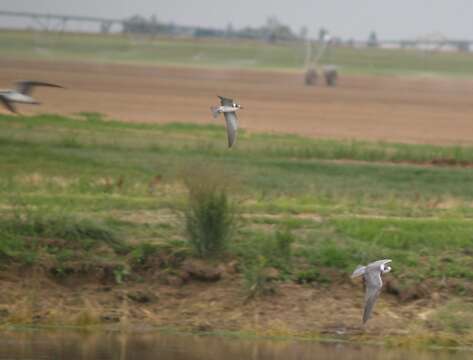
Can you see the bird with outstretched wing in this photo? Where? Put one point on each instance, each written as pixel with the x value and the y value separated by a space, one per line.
pixel 22 93
pixel 372 275
pixel 229 108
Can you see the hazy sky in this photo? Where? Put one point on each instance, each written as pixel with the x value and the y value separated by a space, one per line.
pixel 347 18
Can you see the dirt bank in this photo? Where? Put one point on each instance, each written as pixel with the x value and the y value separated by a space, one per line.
pixel 192 300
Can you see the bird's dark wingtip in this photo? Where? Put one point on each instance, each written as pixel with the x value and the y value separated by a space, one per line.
pixel 54 85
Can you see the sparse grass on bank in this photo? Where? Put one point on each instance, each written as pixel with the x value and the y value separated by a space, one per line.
pixel 112 195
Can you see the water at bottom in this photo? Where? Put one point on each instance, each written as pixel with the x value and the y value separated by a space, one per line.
pixel 146 346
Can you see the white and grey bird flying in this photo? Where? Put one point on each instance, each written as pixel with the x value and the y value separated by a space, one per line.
pixel 22 94
pixel 373 283
pixel 228 108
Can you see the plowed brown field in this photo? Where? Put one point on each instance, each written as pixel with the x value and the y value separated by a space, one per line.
pixel 401 109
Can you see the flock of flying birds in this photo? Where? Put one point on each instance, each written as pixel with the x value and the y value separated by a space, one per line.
pixel 371 273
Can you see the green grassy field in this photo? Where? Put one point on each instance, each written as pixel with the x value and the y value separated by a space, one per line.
pixel 224 53
pixel 88 181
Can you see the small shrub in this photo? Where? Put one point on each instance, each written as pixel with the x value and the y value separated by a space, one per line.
pixel 275 248
pixel 210 216
pixel 64 255
pixel 120 273
pixel 310 276
pixel 141 253
pixel 14 248
pixel 256 281
pixel 283 242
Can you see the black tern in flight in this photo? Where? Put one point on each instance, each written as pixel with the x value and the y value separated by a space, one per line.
pixel 373 283
pixel 229 108
pixel 22 94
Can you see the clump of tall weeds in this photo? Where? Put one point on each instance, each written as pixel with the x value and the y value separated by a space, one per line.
pixel 210 214
pixel 263 255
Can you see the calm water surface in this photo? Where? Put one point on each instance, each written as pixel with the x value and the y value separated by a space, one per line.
pixel 71 346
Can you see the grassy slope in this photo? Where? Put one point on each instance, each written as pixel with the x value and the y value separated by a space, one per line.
pixel 88 183
pixel 234 54
pixel 92 166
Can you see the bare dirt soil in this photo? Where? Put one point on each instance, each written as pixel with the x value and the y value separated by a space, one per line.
pixel 401 109
pixel 88 298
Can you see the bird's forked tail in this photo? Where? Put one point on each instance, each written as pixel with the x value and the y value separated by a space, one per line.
pixel 215 111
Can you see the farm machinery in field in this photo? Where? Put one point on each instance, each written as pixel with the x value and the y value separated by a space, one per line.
pixel 314 70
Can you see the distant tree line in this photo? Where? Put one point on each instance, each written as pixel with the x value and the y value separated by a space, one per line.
pixel 272 31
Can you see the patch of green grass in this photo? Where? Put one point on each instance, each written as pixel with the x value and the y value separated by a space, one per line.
pixel 298 147
pixel 84 233
pixel 328 253
pixel 420 248
pixel 27 234
pixel 432 235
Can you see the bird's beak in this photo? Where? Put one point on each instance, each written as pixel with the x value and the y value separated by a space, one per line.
pixel 241 107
